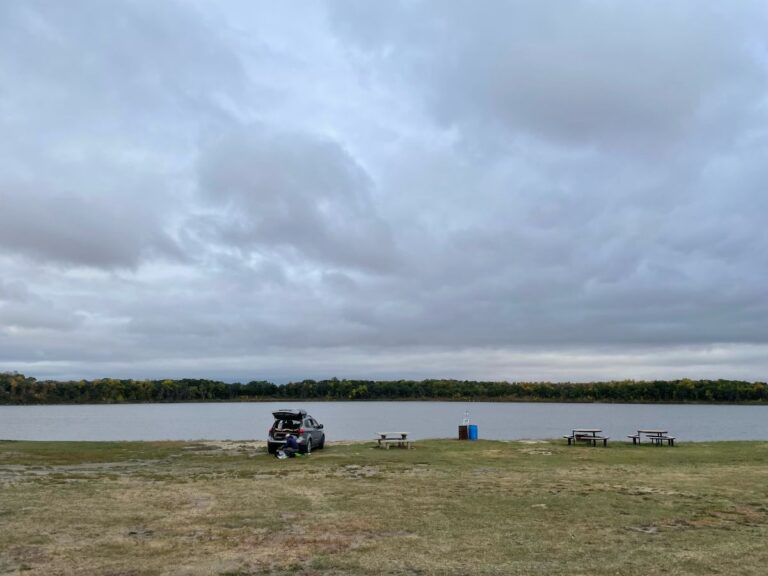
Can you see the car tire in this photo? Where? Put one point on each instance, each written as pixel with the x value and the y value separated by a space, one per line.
pixel 308 446
pixel 322 443
pixel 272 448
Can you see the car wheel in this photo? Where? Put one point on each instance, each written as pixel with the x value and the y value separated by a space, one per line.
pixel 322 443
pixel 308 446
pixel 271 448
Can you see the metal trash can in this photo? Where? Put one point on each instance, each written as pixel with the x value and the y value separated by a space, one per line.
pixel 464 432
pixel 472 431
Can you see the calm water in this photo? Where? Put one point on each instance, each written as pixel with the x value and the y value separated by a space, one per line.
pixel 360 420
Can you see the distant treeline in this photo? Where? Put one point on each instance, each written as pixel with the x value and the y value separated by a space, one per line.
pixel 19 389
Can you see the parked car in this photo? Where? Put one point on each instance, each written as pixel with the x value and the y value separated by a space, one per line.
pixel 309 434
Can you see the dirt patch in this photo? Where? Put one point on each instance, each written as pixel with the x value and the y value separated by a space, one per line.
pixel 140 533
pixel 202 502
pixel 357 471
pixel 643 490
pixel 24 556
pixel 227 447
pixel 536 451
pixel 647 529
pixel 305 538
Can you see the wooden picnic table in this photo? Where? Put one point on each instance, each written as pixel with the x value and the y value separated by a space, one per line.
pixel 390 435
pixel 400 439
pixel 657 437
pixel 589 435
pixel 585 431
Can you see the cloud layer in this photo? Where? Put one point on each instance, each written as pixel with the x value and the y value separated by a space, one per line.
pixel 506 191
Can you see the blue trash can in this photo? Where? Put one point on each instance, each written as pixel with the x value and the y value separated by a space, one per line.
pixel 473 431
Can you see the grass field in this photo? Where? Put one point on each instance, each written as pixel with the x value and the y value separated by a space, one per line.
pixel 445 507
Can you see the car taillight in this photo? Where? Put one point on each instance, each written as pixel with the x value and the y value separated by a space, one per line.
pixel 301 430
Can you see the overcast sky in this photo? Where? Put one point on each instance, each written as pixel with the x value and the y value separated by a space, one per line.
pixel 565 190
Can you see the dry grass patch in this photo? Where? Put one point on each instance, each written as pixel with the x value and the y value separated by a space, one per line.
pixel 443 508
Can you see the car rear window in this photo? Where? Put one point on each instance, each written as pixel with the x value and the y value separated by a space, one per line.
pixel 287 424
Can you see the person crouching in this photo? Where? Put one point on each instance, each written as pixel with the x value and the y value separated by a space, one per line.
pixel 290 449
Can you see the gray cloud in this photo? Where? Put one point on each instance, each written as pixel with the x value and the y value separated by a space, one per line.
pixel 102 230
pixel 495 191
pixel 115 65
pixel 13 290
pixel 631 76
pixel 95 100
pixel 22 311
pixel 300 195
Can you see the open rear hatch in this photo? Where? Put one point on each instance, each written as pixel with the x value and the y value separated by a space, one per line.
pixel 289 414
pixel 287 422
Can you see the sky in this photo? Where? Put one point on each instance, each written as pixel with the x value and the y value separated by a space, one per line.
pixel 567 191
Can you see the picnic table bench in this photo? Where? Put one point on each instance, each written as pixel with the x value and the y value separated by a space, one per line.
pixel 399 439
pixel 594 440
pixel 656 437
pixel 659 440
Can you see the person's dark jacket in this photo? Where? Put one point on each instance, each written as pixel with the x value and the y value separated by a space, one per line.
pixel 290 443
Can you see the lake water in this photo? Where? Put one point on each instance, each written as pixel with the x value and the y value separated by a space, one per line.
pixel 360 420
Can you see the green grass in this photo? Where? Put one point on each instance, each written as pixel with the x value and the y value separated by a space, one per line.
pixel 445 507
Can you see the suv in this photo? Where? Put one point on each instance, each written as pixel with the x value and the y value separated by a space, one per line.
pixel 309 434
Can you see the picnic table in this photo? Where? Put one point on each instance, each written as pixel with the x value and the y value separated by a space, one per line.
pixel 588 435
pixel 399 439
pixel 656 437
